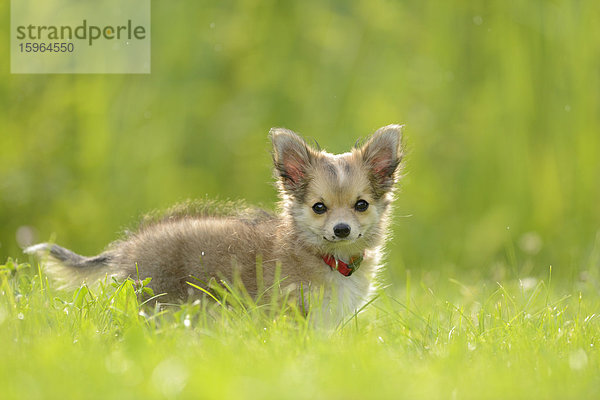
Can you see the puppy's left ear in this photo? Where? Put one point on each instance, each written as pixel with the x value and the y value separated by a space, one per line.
pixel 382 154
pixel 292 159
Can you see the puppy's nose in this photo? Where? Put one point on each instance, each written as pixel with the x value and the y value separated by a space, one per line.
pixel 341 230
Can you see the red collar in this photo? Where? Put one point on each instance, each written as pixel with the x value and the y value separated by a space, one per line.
pixel 342 267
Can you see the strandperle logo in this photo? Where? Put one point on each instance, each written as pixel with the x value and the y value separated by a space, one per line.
pixel 80 36
pixel 85 31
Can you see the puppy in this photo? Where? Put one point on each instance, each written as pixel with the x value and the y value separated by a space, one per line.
pixel 326 238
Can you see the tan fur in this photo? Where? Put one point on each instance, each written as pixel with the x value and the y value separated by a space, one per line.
pixel 214 246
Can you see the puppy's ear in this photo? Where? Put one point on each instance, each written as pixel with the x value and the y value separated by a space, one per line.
pixel 382 154
pixel 292 159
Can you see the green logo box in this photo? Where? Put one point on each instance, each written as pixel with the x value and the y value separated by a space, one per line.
pixel 80 36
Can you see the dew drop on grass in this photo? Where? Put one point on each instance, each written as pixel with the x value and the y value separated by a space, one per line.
pixel 187 322
pixel 531 243
pixel 578 359
pixel 170 377
pixel 528 283
pixel 454 394
pixel 26 236
pixel 20 316
pixel 117 363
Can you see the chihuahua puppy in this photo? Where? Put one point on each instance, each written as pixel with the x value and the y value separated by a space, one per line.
pixel 327 237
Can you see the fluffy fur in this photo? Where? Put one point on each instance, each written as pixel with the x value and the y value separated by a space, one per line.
pixel 195 240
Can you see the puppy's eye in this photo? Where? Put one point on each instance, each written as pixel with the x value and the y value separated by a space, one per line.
pixel 361 205
pixel 319 208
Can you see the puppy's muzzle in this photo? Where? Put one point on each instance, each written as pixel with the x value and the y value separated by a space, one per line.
pixel 341 230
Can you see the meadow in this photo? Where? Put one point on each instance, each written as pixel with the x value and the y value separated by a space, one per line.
pixel 516 339
pixel 492 284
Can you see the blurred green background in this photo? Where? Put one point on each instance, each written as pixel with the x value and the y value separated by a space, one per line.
pixel 501 101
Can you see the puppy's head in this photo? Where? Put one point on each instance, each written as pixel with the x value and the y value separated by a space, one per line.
pixel 338 202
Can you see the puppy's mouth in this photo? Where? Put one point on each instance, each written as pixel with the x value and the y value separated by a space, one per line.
pixel 335 239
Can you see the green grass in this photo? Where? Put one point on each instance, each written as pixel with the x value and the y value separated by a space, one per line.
pixel 500 101
pixel 443 339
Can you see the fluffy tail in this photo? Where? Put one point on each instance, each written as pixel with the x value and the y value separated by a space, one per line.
pixel 69 269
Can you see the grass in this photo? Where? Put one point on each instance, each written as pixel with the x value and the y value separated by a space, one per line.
pixel 527 338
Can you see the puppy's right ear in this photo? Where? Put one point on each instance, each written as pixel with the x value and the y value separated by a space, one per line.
pixel 292 158
pixel 382 154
